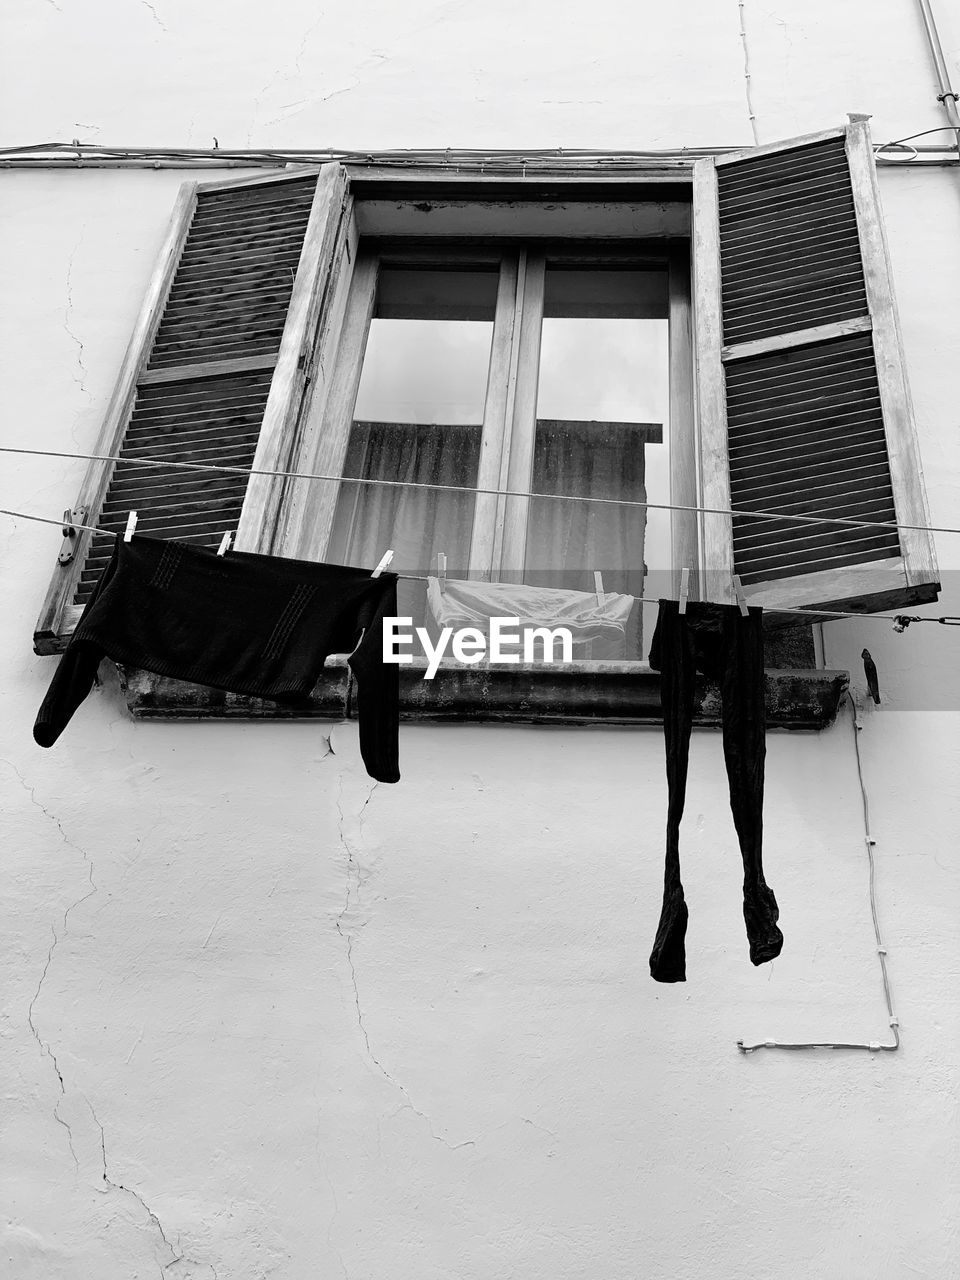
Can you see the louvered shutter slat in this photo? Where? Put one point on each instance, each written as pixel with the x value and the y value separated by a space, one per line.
pixel 142 488
pixel 214 375
pixel 144 483
pixel 157 401
pixel 228 301
pixel 767 439
pixel 204 353
pixel 201 441
pixel 804 408
pixel 860 442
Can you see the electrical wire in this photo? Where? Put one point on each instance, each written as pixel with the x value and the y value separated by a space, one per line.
pixel 135 460
pixel 903 145
pixel 487 160
pixel 747 77
pixel 504 163
pixel 905 142
pixel 872 1046
pixel 901 620
pixel 507 159
pixel 943 128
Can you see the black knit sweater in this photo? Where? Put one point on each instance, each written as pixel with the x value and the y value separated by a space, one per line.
pixel 252 624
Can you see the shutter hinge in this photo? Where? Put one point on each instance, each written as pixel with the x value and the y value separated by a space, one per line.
pixel 70 534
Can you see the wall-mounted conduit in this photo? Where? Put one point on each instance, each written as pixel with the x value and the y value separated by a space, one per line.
pixel 872 1046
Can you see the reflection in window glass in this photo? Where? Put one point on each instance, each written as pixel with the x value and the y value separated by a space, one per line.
pixel 602 410
pixel 418 417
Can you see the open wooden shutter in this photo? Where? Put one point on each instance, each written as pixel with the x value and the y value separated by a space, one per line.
pixel 803 401
pixel 215 373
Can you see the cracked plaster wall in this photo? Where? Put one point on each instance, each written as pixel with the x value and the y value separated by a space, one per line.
pixel 436 73
pixel 263 1018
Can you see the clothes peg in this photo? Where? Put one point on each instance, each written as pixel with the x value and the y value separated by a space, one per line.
pixel 441 569
pixel 384 561
pixel 131 525
pixel 870 671
pixel 598 585
pixel 225 543
pixel 69 548
pixel 741 598
pixel 684 589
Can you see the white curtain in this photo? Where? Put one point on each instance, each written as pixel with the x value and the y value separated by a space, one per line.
pixel 415 523
pixel 566 541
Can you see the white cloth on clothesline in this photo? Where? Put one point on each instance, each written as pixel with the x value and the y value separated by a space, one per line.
pixel 473 604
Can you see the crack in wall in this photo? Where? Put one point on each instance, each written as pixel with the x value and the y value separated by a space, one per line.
pixel 80 380
pixel 71 844
pixel 321 1164
pixel 277 78
pixel 288 109
pixel 335 93
pixel 176 1252
pixel 47 1051
pixel 156 17
pixel 533 1124
pixel 296 72
pixel 298 58
pixel 355 882
pixel 46 1047
pixel 371 63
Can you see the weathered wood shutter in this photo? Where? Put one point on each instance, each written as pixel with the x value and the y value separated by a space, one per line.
pixel 804 408
pixel 214 373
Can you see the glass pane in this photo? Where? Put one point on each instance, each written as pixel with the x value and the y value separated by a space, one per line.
pixel 601 431
pixel 418 417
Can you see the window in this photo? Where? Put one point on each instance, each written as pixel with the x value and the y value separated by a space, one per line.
pixel 526 367
pixel 532 334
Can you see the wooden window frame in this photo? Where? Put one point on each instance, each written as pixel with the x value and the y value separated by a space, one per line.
pixel 498 545
pixel 420 210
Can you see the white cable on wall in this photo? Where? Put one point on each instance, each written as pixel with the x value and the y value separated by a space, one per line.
pixel 872 1046
pixel 746 72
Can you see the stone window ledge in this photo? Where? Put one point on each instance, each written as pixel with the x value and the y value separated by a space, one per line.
pixel 590 693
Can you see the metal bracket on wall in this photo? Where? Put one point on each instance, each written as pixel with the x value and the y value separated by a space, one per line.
pixel 70 533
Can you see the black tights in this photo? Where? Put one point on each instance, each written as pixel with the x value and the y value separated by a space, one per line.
pixel 727 647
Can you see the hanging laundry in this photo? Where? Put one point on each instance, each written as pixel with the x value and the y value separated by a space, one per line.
pixel 870 671
pixel 725 646
pixel 250 624
pixel 472 604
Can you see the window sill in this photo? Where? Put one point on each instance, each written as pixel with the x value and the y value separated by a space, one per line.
pixel 589 693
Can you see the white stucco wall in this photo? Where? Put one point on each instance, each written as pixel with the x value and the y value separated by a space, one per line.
pixel 263 1018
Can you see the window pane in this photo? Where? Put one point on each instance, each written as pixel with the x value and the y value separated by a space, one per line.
pixel 418 417
pixel 601 431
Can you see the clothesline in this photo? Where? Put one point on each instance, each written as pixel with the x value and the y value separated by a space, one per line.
pixel 849 521
pixel 419 577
